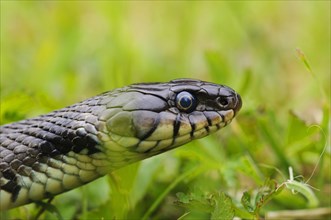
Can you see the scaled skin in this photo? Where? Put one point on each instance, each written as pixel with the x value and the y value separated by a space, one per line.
pixel 53 153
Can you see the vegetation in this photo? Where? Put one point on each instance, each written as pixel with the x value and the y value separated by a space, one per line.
pixel 275 155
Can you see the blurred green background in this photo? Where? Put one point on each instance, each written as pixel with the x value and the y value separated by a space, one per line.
pixel 56 53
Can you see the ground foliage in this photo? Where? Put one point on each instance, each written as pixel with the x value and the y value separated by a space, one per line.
pixel 274 156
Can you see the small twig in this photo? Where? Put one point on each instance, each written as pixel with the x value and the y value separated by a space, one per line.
pixel 319 213
pixel 43 208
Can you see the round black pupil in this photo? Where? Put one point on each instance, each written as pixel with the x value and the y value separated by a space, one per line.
pixel 185 101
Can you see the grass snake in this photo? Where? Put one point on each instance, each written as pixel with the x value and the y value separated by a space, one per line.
pixel 64 149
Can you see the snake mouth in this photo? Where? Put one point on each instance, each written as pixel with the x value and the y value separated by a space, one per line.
pixel 185 131
pixel 172 130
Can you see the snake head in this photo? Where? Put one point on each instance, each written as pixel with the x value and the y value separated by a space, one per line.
pixel 150 118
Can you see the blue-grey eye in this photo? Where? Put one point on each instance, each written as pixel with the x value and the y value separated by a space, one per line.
pixel 186 102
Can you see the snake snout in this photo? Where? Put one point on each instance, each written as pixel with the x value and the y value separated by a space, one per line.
pixel 238 103
pixel 232 101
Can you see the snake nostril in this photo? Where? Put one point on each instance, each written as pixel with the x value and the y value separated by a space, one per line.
pixel 223 101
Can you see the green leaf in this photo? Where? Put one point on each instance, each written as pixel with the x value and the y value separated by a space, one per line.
pixel 265 193
pixel 246 202
pixel 303 58
pixel 194 201
pixel 183 198
pixel 218 205
pixel 223 207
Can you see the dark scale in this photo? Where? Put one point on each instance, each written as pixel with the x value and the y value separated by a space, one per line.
pixel 57 145
pixel 176 126
pixel 48 136
pixel 11 186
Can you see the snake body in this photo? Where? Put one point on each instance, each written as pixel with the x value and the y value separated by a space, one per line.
pixel 56 152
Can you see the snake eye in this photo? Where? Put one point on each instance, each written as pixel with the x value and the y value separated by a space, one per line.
pixel 186 102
